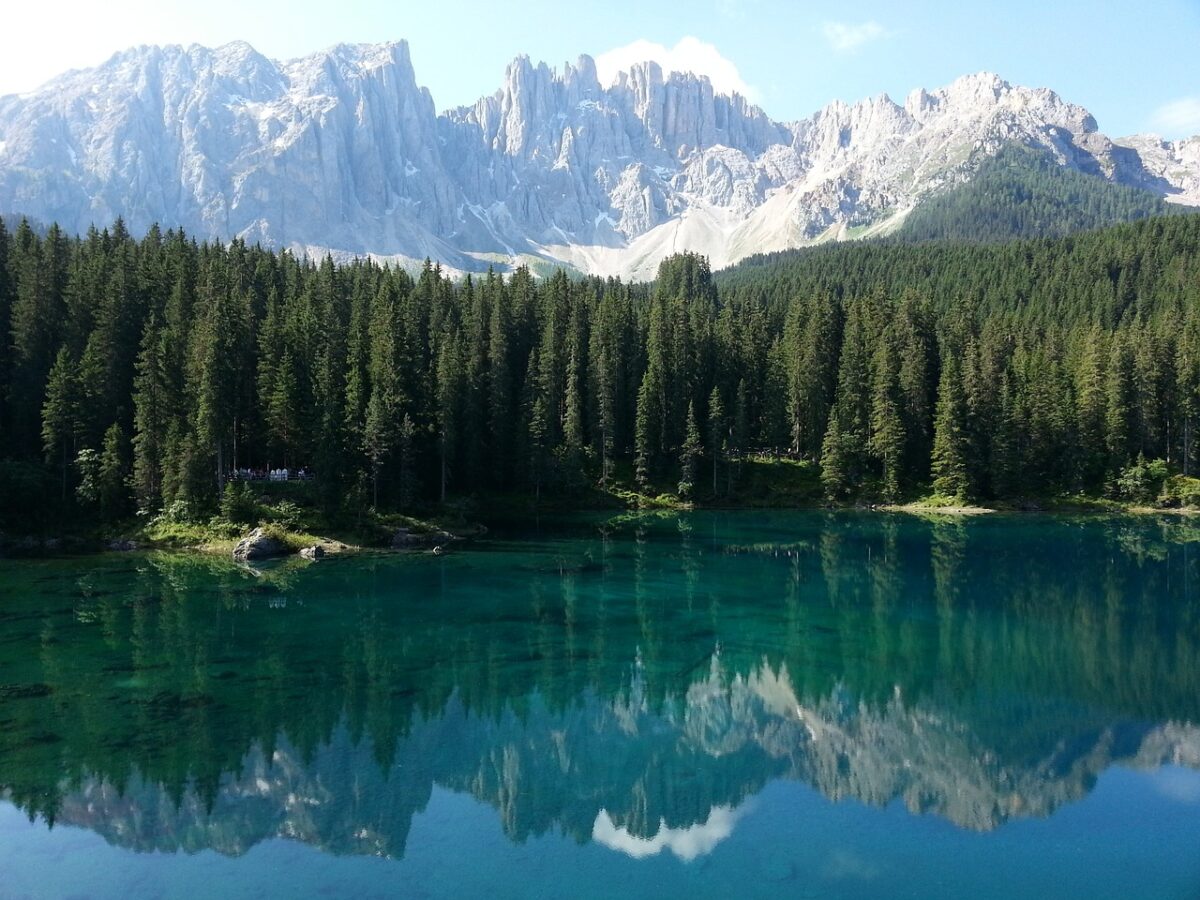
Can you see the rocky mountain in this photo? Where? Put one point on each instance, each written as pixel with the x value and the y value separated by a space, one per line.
pixel 622 772
pixel 344 151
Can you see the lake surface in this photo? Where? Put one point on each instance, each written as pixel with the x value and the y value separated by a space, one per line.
pixel 712 704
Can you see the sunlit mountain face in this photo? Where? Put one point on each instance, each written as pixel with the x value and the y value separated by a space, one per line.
pixel 343 151
pixel 655 690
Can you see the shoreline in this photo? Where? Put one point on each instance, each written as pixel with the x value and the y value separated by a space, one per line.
pixel 433 538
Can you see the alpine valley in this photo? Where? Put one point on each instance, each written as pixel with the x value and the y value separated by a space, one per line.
pixel 344 152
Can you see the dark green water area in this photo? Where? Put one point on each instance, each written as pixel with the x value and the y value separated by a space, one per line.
pixel 775 704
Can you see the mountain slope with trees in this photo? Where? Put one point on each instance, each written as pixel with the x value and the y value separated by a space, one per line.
pixel 1025 193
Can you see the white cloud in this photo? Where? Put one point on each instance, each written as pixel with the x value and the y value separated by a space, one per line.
pixel 689 55
pixel 1179 118
pixel 686 843
pixel 846 36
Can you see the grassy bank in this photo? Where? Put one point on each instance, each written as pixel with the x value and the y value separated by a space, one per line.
pixel 291 512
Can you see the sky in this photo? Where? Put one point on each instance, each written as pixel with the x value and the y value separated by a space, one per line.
pixel 1136 67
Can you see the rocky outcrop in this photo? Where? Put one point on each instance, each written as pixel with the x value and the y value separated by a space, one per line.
pixel 258 545
pixel 405 539
pixel 344 151
pixel 314 552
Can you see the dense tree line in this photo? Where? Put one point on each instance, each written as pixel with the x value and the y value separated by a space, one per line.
pixel 1021 192
pixel 141 374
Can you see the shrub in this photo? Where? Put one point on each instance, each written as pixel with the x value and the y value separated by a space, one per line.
pixel 1143 480
pixel 285 513
pixel 1180 490
pixel 238 503
pixel 177 512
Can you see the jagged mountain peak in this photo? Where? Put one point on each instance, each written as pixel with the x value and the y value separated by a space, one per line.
pixel 342 150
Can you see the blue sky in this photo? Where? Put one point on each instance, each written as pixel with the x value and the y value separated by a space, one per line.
pixel 1136 67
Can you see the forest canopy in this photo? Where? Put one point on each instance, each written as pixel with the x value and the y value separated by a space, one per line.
pixel 144 373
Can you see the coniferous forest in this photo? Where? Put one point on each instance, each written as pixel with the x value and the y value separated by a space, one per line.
pixel 140 374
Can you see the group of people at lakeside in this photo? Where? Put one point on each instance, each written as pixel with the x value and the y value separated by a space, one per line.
pixel 285 474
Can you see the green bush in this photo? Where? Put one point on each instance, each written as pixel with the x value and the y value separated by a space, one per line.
pixel 1143 480
pixel 238 503
pixel 285 513
pixel 177 512
pixel 1180 490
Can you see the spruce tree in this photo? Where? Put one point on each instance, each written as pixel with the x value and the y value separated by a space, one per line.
pixel 1090 411
pixel 151 419
pixel 500 391
pixel 405 449
pixel 646 428
pixel 887 425
pixel 114 473
pixel 835 462
pixel 60 413
pixel 718 431
pixel 449 397
pixel 573 428
pixel 950 446
pixel 1119 399
pixel 689 456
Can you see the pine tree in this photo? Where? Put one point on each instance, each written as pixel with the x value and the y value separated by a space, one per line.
pixel 37 317
pixel 573 429
pixel 408 485
pixel 1090 412
pixel 449 395
pixel 887 425
pixel 377 439
pixel 60 413
pixel 151 417
pixel 380 427
pixel 718 431
pixel 114 473
pixel 835 461
pixel 1119 404
pixel 500 391
pixel 647 424
pixel 1005 472
pixel 217 375
pixel 606 414
pixel 689 456
pixel 538 443
pixel 1187 373
pixel 285 410
pixel 950 446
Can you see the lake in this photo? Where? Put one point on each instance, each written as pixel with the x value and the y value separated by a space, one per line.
pixel 800 704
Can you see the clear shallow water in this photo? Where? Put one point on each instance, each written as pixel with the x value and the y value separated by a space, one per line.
pixel 750 704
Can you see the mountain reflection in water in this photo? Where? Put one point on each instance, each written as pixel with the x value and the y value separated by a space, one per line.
pixel 634 684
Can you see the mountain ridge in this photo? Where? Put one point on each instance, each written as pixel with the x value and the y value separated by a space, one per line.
pixel 343 151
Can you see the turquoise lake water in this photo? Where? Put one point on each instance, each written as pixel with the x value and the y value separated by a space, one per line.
pixel 775 704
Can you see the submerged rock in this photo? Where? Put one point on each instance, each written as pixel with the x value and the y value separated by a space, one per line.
pixel 258 545
pixel 404 539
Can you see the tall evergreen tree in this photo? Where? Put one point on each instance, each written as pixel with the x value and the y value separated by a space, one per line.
pixel 718 431
pixel 152 405
pixel 689 454
pixel 60 413
pixel 887 425
pixel 950 445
